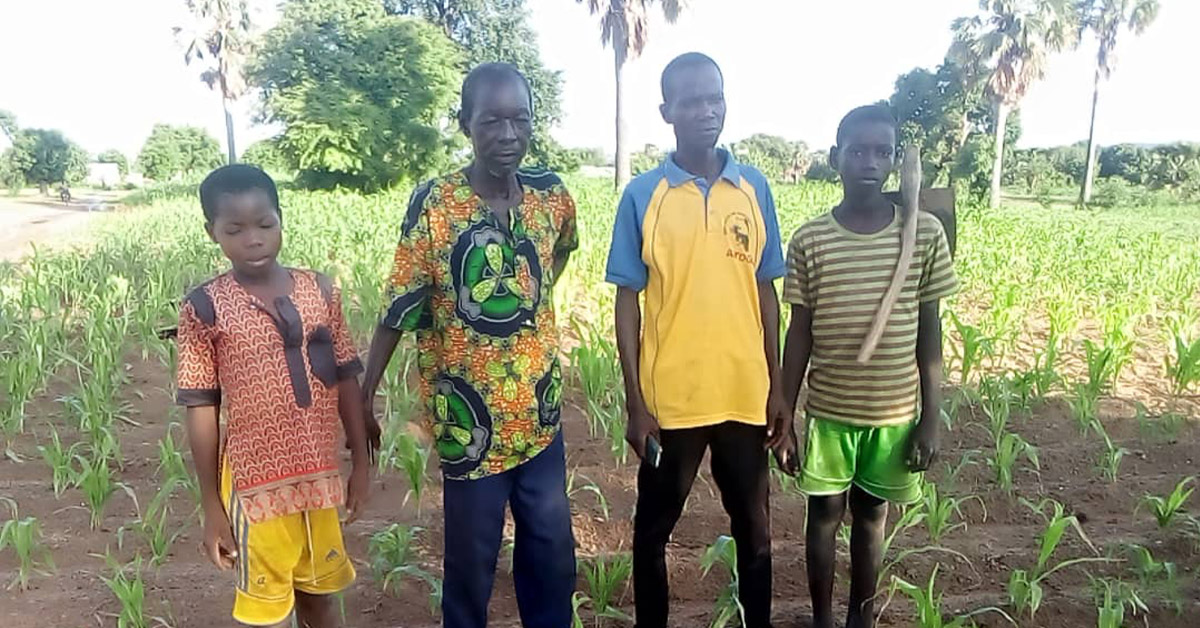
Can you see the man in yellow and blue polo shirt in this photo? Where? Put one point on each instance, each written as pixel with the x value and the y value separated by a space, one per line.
pixel 698 239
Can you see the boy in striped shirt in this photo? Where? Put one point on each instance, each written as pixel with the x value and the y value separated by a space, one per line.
pixel 865 441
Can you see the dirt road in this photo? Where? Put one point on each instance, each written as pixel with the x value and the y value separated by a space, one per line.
pixel 26 221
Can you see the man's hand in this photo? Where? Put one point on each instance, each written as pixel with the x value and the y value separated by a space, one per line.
pixel 358 492
pixel 781 435
pixel 923 443
pixel 374 432
pixel 219 546
pixel 641 424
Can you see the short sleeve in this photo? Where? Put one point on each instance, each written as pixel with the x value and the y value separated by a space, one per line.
pixel 938 279
pixel 771 265
pixel 568 229
pixel 796 285
pixel 410 284
pixel 196 379
pixel 625 266
pixel 348 364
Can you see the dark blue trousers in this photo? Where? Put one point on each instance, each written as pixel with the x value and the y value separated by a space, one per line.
pixel 544 547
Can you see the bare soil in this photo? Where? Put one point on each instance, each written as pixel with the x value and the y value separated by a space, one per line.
pixel 187 591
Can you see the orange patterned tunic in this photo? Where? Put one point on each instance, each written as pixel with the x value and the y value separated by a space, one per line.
pixel 277 377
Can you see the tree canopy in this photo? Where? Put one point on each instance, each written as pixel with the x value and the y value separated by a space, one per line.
pixel 178 150
pixel 114 156
pixel 363 96
pixel 42 156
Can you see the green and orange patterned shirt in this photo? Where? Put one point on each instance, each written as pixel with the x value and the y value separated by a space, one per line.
pixel 478 295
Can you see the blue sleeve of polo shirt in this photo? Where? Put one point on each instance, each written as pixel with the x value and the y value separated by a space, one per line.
pixel 625 265
pixel 771 265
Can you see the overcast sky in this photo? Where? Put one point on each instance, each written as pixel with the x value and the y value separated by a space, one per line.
pixel 105 72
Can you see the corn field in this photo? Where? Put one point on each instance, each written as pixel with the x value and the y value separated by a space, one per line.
pixel 1073 366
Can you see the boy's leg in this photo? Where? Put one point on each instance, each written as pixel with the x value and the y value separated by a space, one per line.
pixel 661 495
pixel 820 540
pixel 474 523
pixel 739 466
pixel 866 550
pixel 316 611
pixel 826 475
pixel 544 552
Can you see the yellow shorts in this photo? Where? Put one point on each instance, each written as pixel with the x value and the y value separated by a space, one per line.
pixel 277 557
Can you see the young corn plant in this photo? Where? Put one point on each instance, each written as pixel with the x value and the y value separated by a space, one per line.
pixel 1103 365
pixel 927 601
pixel 1025 591
pixel 587 486
pixel 60 462
pixel 393 558
pixel 1165 509
pixel 1155 577
pixel 1183 368
pixel 24 536
pixel 172 470
pixel 941 511
pixel 1111 455
pixel 1009 448
pixel 152 526
pixel 997 398
pixel 599 373
pixel 128 587
pixel 1112 597
pixel 1083 406
pixel 607 578
pixel 910 518
pixel 728 607
pixel 973 348
pixel 407 454
pixel 95 480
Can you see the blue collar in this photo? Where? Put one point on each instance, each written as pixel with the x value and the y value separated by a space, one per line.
pixel 677 176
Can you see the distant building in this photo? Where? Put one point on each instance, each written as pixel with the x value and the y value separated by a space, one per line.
pixel 103 175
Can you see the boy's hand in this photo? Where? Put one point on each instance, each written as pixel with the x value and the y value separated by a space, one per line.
pixel 641 424
pixel 358 490
pixel 923 444
pixel 219 546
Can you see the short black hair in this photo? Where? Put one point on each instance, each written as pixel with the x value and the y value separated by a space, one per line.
pixel 865 114
pixel 235 179
pixel 488 73
pixel 685 60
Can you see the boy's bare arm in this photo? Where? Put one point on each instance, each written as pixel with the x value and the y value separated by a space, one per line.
pixel 350 407
pixel 796 353
pixel 629 343
pixel 929 365
pixel 204 437
pixel 383 345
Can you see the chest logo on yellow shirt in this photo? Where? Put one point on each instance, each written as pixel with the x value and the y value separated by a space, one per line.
pixel 737 237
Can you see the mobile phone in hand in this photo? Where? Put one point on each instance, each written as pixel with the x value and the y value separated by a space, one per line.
pixel 653 451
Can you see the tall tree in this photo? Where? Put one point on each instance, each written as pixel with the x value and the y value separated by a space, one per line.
pixel 938 110
pixel 220 38
pixel 1007 47
pixel 624 27
pixel 1106 19
pixel 177 150
pixel 362 96
pixel 8 124
pixel 45 157
pixel 498 30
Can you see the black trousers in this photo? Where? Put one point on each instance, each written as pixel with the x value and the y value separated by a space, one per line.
pixel 739 466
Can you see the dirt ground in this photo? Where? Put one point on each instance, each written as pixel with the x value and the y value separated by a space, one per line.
pixel 31 219
pixel 187 591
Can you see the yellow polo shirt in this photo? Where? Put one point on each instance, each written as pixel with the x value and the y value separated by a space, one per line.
pixel 697 254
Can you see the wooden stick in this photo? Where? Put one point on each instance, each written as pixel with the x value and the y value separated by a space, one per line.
pixel 910 194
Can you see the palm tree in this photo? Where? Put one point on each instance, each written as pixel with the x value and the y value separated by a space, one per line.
pixel 220 37
pixel 1008 47
pixel 1107 18
pixel 624 26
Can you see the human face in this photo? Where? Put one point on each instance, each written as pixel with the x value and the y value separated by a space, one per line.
pixel 695 106
pixel 500 125
pixel 249 231
pixel 867 157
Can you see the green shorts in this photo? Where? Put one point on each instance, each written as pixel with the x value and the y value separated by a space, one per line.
pixel 837 455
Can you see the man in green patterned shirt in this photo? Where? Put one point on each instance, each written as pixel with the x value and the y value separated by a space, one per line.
pixel 479 253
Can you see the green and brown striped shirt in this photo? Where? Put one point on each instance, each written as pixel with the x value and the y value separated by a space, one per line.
pixel 841 276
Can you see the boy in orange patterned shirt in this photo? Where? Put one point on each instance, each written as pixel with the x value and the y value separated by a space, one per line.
pixel 270 344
